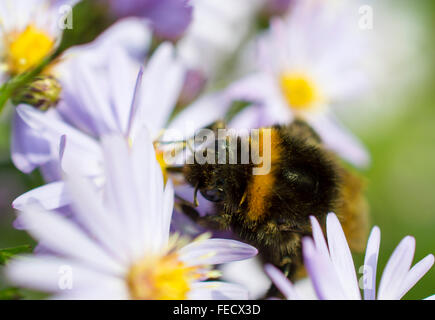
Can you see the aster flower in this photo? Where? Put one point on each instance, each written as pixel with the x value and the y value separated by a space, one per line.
pixel 332 271
pixel 30 31
pixel 307 62
pixel 121 248
pixel 169 18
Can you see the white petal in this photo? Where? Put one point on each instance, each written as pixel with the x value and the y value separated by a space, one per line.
pixel 396 270
pixel 95 97
pixel 50 196
pixel 148 179
pixel 324 277
pixel 416 273
pixel 371 264
pixel 203 112
pixel 282 283
pixel 340 139
pixel 58 275
pixel 216 251
pixel 214 290
pixel 342 258
pixel 80 146
pixel 120 192
pixel 65 238
pixel 319 239
pixel 162 82
pixel 98 220
pixel 168 207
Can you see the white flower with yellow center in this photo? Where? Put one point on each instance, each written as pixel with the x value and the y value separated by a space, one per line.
pixel 307 62
pixel 121 248
pixel 30 30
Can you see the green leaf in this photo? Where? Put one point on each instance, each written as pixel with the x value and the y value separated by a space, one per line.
pixel 10 294
pixel 6 254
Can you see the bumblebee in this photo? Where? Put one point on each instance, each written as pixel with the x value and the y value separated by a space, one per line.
pixel 271 211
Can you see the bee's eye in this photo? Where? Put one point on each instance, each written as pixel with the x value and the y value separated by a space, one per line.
pixel 214 195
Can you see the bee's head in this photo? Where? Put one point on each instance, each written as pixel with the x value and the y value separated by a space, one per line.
pixel 215 175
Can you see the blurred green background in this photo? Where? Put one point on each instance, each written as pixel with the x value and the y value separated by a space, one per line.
pixel 401 179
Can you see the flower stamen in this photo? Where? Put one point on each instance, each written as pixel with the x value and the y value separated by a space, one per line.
pixel 27 49
pixel 299 91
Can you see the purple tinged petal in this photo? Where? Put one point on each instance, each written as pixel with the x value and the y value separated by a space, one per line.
pixel 28 149
pixel 216 251
pixel 216 290
pixel 200 114
pixel 89 210
pixel 148 179
pixel 168 207
pixel 93 95
pixel 50 196
pixel 194 83
pixel 371 264
pixel 64 237
pixel 281 282
pixel 341 140
pixel 341 257
pixel 319 239
pixel 325 280
pixel 134 101
pixel 277 7
pixel 161 86
pixel 169 18
pixel 416 273
pixel 123 86
pixel 396 270
pixel 43 273
pixel 53 129
pixel 120 191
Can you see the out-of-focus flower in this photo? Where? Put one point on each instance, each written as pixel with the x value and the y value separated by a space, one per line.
pixel 169 18
pixel 332 271
pixel 30 30
pixel 218 27
pixel 276 7
pixel 307 62
pixel 121 248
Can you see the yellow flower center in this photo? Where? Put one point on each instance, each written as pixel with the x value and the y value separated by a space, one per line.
pixel 162 163
pixel 27 49
pixel 161 278
pixel 299 91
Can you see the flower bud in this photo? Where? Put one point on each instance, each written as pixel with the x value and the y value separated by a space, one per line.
pixel 42 93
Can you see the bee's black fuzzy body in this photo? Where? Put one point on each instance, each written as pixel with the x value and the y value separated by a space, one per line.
pixel 272 211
